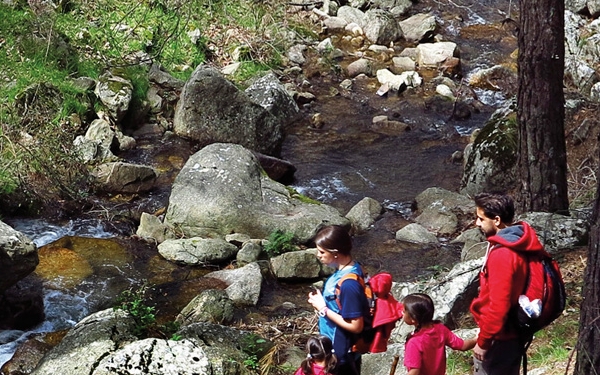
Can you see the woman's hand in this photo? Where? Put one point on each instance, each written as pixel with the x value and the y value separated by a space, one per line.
pixel 316 300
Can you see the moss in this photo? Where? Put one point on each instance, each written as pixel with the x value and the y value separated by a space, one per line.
pixel 300 197
pixel 500 136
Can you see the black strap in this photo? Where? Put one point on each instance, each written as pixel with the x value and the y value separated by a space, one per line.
pixel 526 344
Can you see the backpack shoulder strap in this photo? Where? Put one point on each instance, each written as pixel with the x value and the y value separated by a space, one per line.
pixel 338 286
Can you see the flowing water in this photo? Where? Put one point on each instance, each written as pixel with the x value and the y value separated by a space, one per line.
pixel 340 163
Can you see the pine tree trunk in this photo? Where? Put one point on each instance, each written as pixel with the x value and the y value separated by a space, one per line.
pixel 588 350
pixel 541 113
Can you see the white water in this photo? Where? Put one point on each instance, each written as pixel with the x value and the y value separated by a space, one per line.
pixel 62 308
pixel 43 233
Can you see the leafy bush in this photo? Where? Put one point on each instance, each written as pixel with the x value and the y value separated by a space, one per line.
pixel 133 301
pixel 279 242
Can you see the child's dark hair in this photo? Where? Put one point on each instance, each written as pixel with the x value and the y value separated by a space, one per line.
pixel 420 307
pixel 319 348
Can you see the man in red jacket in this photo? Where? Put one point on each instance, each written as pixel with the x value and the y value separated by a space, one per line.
pixel 499 349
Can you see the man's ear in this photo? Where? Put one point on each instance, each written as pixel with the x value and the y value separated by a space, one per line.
pixel 497 221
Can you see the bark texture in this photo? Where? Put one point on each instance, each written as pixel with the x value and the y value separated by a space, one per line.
pixel 588 350
pixel 541 113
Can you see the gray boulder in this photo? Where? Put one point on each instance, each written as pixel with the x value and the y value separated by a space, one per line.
pixel 270 94
pixel 222 189
pixel 416 233
pixel 557 231
pixel 381 27
pixel 115 93
pixel 296 265
pixel 119 177
pixel 212 306
pixel 250 252
pixel 363 214
pixel 474 244
pixel 197 251
pixel 227 348
pixel 490 163
pixel 432 55
pixel 152 228
pixel 156 356
pixel 443 211
pixel 18 256
pixel 93 338
pixel 244 283
pixel 103 344
pixel 396 7
pixel 418 27
pixel 351 15
pixel 582 51
pixel 212 109
pixel 165 80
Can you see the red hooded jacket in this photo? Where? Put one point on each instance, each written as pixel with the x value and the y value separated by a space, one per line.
pixel 502 280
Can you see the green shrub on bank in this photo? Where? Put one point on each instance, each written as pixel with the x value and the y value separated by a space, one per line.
pixel 279 242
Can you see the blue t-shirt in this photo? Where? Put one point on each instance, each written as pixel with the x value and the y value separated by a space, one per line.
pixel 354 305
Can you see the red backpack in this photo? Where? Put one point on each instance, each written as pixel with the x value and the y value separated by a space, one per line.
pixel 545 292
pixel 384 311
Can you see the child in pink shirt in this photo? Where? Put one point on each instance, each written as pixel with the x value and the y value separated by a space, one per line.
pixel 320 359
pixel 424 352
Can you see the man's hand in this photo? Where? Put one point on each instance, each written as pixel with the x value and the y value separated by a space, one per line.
pixel 479 353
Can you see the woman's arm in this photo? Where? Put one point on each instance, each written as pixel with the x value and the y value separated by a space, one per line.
pixel 414 371
pixel 354 325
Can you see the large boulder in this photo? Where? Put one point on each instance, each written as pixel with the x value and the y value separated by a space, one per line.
pixel 581 52
pixel 18 256
pixel 558 231
pixel 119 177
pixel 243 284
pixel 381 27
pixel 156 356
pixel 490 161
pixel 212 109
pixel 296 265
pixel 222 189
pixel 197 251
pixel 364 214
pixel 418 27
pixel 103 344
pixel 212 306
pixel 444 212
pixel 432 55
pixel 115 93
pixel 87 342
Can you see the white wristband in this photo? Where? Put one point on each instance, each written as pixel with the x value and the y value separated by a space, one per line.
pixel 323 312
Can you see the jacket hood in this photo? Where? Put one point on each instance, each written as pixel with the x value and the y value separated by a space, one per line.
pixel 519 237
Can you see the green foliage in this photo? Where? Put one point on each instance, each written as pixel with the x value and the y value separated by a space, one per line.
pixel 459 362
pixel 279 242
pixel 300 197
pixel 251 362
pixel 86 38
pixel 252 345
pixel 133 301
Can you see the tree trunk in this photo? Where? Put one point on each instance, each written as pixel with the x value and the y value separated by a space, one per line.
pixel 588 350
pixel 541 112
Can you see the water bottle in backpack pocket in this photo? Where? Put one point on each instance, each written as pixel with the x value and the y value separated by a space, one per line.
pixel 543 298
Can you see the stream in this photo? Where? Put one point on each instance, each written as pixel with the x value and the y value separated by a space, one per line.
pixel 338 164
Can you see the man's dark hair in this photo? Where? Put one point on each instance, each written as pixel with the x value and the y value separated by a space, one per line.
pixel 495 204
